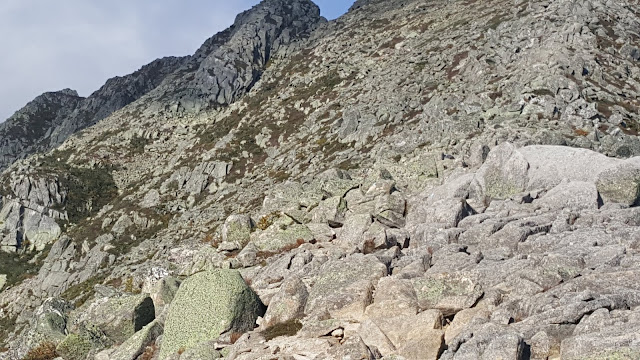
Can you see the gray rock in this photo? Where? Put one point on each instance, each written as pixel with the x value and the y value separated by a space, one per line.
pixel 449 293
pixel 237 230
pixel 503 174
pixel 136 344
pixel 117 318
pixel 621 183
pixel 344 287
pixel 288 304
pixel 577 195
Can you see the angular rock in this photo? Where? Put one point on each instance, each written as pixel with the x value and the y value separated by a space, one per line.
pixel 288 304
pixel 236 230
pixel 136 344
pixel 117 318
pixel 74 347
pixel 447 212
pixel 344 287
pixel 449 293
pixel 621 183
pixel 579 195
pixel 504 172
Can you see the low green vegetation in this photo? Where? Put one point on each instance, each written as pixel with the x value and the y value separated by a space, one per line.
pixel 19 267
pixel 83 291
pixel 289 328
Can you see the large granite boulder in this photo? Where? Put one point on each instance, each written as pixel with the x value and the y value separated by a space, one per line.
pixel 207 305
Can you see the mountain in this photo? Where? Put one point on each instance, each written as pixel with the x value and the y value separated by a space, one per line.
pixel 413 180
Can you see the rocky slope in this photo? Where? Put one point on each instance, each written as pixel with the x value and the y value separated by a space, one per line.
pixel 416 179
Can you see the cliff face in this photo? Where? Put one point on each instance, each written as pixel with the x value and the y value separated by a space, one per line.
pixel 416 179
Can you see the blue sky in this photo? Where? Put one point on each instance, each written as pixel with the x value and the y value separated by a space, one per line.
pixel 51 45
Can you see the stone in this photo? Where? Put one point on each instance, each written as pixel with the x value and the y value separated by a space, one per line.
pixel 352 232
pixel 136 344
pixel 288 303
pixel 237 230
pixel 344 287
pixel 503 174
pixel 427 346
pixel 207 305
pixel 3 281
pixel 578 195
pixel 447 212
pixel 204 351
pixel 621 183
pixel 449 293
pixel 549 165
pixel 612 342
pixel 117 318
pixel 163 292
pixel 151 199
pixel 281 236
pixel 462 319
pixel 74 347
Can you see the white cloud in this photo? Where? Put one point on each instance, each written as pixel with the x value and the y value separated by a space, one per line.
pixel 50 45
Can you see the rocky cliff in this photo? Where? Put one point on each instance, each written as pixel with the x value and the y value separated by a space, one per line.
pixel 414 180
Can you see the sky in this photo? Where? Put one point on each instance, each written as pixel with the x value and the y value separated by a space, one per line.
pixel 52 45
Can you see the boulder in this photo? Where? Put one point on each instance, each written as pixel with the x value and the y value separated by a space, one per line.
pixel 488 342
pixel 613 342
pixel 207 305
pixel 621 183
pixel 117 318
pixel 578 195
pixel 283 234
pixel 447 213
pixel 237 230
pixel 288 304
pixel 351 234
pixel 74 347
pixel 463 319
pixel 549 165
pixel 344 287
pixel 3 281
pixel 135 345
pixel 503 174
pixel 448 293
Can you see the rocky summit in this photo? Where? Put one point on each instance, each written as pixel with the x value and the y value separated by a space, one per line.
pixel 417 179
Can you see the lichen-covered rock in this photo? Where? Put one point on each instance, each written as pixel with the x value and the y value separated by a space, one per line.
pixel 207 305
pixel 136 344
pixel 281 235
pixel 236 230
pixel 117 318
pixel 621 183
pixel 74 347
pixel 204 351
pixel 448 293
pixel 504 172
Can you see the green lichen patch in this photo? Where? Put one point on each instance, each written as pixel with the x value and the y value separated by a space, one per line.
pixel 289 328
pixel 207 305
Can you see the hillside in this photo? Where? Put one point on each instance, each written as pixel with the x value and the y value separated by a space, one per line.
pixel 413 180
